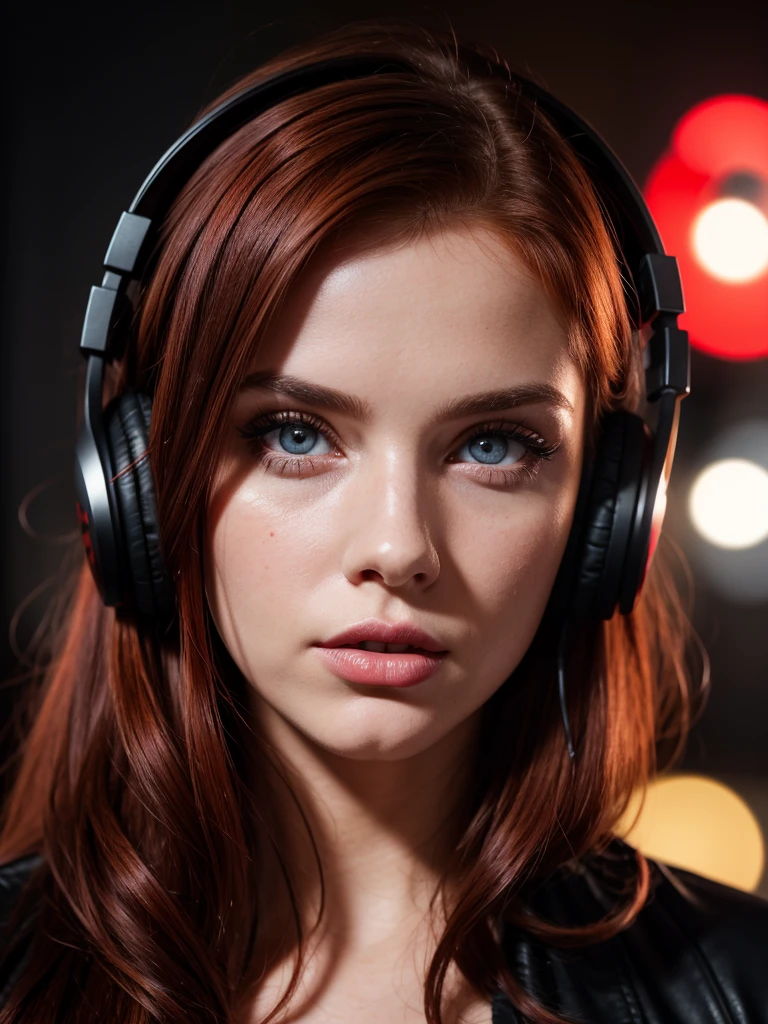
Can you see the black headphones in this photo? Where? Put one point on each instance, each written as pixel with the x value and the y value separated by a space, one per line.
pixel 614 530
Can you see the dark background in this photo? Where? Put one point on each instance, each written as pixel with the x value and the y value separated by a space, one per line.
pixel 95 94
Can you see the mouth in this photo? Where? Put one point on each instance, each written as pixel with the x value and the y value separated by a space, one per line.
pixel 380 648
pixel 374 663
pixel 379 637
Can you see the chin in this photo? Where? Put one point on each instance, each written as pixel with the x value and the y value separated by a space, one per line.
pixel 399 734
pixel 383 750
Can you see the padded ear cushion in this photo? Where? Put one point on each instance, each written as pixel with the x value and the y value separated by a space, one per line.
pixel 127 419
pixel 615 486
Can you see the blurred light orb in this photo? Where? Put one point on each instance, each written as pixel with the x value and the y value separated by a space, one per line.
pixel 697 823
pixel 716 168
pixel 728 503
pixel 730 240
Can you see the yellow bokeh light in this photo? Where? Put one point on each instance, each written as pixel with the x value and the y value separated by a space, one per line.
pixel 693 822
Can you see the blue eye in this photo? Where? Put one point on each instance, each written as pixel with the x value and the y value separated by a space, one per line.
pixel 491 447
pixel 295 437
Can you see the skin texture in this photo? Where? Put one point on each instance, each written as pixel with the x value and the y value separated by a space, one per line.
pixel 395 519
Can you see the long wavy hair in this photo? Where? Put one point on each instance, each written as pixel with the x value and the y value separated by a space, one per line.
pixel 130 778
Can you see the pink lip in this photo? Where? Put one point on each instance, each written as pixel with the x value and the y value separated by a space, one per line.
pixel 385 633
pixel 378 668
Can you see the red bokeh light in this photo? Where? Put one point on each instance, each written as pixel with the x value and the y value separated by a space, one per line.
pixel 723 136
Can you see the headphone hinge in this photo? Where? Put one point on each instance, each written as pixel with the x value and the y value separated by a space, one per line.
pixel 125 246
pixel 670 359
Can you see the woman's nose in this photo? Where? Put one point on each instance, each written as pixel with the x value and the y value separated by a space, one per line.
pixel 389 523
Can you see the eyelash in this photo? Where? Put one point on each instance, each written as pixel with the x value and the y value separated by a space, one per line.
pixel 257 428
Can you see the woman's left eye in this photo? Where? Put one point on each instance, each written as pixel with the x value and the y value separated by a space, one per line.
pixel 495 448
pixel 506 450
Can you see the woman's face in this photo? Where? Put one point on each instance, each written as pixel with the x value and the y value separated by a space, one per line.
pixel 387 478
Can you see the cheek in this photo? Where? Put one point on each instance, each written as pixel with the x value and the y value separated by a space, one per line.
pixel 261 567
pixel 522 540
pixel 509 565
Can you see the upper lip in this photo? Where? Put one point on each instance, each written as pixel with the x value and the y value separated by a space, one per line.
pixel 385 633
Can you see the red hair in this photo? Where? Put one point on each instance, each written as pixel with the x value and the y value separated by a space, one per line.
pixel 131 780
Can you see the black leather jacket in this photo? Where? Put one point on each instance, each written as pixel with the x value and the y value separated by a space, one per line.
pixel 696 954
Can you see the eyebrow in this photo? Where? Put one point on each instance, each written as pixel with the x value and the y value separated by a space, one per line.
pixel 538 392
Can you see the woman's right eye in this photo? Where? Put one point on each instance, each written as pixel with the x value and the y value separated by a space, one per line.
pixel 297 439
pixel 289 434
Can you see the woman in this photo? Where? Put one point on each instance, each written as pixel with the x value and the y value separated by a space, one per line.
pixel 383 329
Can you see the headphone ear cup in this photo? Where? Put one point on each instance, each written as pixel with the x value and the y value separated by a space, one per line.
pixel 617 480
pixel 127 419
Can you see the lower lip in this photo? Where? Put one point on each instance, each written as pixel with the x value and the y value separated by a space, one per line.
pixel 379 668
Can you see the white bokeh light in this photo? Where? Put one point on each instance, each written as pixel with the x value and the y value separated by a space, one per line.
pixel 729 239
pixel 728 503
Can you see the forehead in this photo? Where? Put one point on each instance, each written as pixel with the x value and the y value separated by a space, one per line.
pixel 450 312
